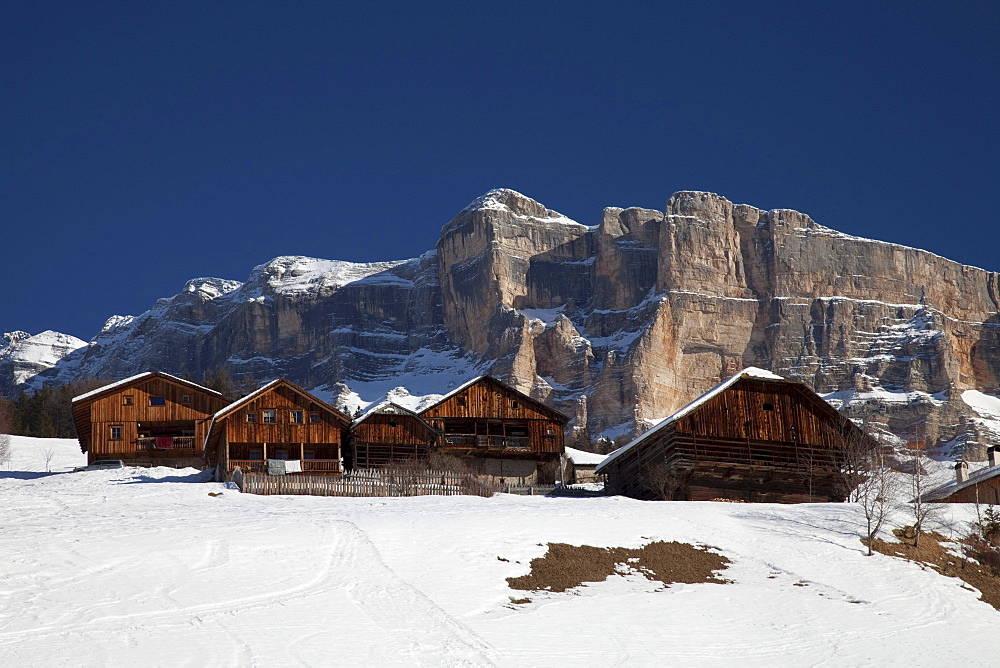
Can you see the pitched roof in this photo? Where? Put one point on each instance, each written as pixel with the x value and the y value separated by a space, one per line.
pixel 524 397
pixel 749 372
pixel 141 376
pixel 392 408
pixel 949 488
pixel 584 458
pixel 383 408
pixel 226 410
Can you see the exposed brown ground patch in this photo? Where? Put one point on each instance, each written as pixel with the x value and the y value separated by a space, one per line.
pixel 984 578
pixel 566 566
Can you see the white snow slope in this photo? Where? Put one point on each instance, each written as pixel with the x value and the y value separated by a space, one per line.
pixel 143 567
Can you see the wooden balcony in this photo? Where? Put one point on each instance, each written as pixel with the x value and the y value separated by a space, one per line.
pixel 479 442
pixel 314 466
pixel 165 444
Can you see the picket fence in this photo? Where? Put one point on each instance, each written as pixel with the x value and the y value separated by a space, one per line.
pixel 366 483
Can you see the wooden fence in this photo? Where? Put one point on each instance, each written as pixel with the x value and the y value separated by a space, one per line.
pixel 367 483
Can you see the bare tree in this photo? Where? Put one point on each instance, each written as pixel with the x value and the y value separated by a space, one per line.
pixel 6 426
pixel 875 495
pixel 5 449
pixel 921 510
pixel 47 455
pixel 868 481
pixel 663 482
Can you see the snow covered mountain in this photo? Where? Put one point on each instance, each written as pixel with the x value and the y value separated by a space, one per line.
pixel 616 324
pixel 23 356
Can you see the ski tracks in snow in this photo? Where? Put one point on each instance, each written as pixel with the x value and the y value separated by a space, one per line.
pixel 425 633
pixel 346 567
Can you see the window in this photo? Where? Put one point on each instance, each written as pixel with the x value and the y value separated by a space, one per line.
pixel 157 401
pixel 515 406
pixel 251 417
pixel 185 399
pixel 116 433
pixel 270 415
pixel 127 400
pixel 296 417
pixel 256 454
pixel 768 406
pixel 460 401
pixel 393 424
pixel 314 418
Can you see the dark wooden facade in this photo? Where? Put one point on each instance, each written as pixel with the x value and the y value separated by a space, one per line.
pixel 752 439
pixel 153 419
pixel 492 422
pixel 388 434
pixel 278 421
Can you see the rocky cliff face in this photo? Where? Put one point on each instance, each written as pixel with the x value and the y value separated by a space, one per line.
pixel 615 324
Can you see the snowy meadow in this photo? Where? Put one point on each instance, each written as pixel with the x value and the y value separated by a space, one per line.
pixel 160 567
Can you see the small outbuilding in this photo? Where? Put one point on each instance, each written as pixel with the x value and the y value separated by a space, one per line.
pixel 982 486
pixel 754 437
pixel 582 465
pixel 388 434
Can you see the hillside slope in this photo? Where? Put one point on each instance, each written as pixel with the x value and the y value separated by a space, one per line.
pixel 118 567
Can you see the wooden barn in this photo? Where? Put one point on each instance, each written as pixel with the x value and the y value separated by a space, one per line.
pixel 755 437
pixel 279 421
pixel 387 434
pixel 152 419
pixel 499 431
pixel 982 486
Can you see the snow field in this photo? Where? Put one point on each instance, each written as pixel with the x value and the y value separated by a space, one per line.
pixel 143 567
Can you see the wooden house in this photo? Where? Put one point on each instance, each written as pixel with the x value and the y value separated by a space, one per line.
pixel 387 434
pixel 499 431
pixel 152 419
pixel 754 437
pixel 279 421
pixel 982 486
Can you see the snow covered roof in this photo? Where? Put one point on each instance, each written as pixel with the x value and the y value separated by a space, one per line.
pixel 949 488
pixel 584 458
pixel 140 376
pixel 385 407
pixel 749 372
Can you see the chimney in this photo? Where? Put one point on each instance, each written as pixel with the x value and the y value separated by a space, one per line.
pixel 961 471
pixel 993 454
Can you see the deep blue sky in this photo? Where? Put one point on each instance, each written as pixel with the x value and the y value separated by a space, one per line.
pixel 147 143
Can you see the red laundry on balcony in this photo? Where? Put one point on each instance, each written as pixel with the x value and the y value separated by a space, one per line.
pixel 164 442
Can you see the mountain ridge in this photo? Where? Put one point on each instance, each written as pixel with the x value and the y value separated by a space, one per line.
pixel 617 324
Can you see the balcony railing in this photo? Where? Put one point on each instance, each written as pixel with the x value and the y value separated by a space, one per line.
pixel 308 465
pixel 164 443
pixel 477 441
pixel 326 465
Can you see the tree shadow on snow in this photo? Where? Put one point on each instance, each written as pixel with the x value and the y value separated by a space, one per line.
pixel 793 526
pixel 197 476
pixel 28 475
